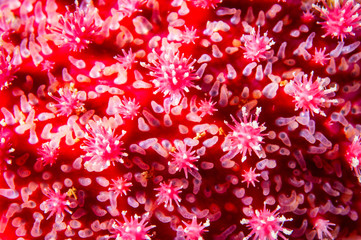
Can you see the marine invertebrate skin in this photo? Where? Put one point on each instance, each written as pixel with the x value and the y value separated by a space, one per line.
pixel 128 7
pixel 206 3
pixel 5 148
pixel 180 119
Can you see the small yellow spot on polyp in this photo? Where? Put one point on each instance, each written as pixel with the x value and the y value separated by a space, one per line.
pixel 72 192
pixel 283 83
pixel 236 43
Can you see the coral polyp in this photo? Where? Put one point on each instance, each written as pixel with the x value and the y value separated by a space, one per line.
pixel 310 95
pixel 173 73
pixel 48 154
pixel 167 193
pixel 256 46
pixel 250 176
pixel 194 230
pixel 5 148
pixel 133 228
pixel 56 203
pixel 323 228
pixel 266 224
pixel 120 186
pixel 76 30
pixel 7 69
pixel 102 146
pixel 180 119
pixel 341 18
pixel 68 102
pixel 246 136
pixel 353 156
pixel 183 158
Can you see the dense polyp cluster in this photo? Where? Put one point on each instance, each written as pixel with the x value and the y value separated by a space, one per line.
pixel 141 119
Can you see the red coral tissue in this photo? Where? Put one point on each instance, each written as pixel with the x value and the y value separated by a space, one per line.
pixel 180 119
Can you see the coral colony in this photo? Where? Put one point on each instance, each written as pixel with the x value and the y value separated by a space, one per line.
pixel 180 119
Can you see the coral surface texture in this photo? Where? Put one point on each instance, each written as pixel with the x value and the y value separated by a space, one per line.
pixel 180 119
